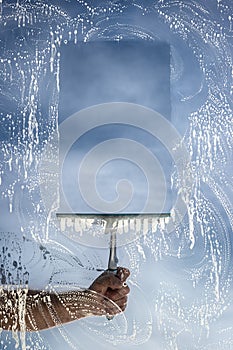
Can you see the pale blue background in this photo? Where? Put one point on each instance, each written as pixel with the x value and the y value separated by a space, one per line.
pixel 169 277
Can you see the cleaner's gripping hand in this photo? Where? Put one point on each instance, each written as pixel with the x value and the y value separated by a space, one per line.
pixel 114 287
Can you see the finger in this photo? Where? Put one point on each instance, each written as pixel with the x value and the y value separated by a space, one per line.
pixel 114 282
pixel 117 294
pixel 122 273
pixel 120 305
pixel 105 281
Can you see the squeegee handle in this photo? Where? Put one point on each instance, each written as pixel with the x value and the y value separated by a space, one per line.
pixel 113 260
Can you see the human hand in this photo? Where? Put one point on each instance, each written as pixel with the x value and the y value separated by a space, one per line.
pixel 114 287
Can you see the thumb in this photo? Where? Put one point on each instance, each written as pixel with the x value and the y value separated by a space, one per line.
pixel 122 273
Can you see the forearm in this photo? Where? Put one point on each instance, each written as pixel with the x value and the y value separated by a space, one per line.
pixel 28 310
pixel 24 310
pixel 46 310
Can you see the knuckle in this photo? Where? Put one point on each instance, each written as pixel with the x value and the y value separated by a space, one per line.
pixel 126 271
pixel 127 289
